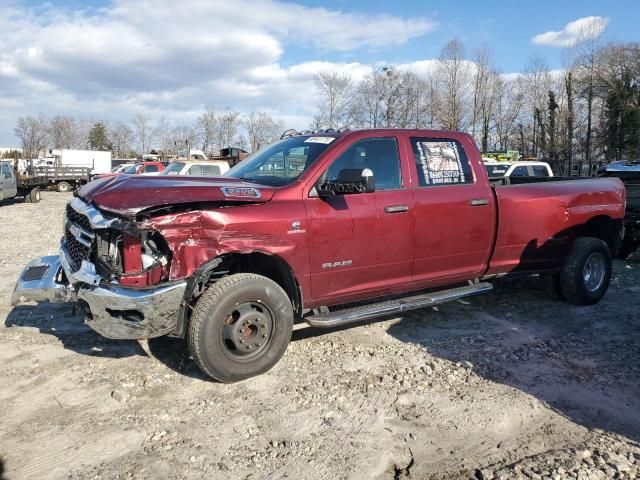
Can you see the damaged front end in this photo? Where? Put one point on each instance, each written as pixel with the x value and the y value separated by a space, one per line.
pixel 118 272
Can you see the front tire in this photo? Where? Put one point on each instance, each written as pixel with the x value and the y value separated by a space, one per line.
pixel 63 187
pixel 34 195
pixel 240 327
pixel 586 273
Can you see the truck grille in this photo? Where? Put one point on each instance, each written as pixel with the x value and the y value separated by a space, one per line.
pixel 77 251
pixel 78 218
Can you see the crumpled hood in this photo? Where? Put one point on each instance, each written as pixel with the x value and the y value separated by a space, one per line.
pixel 130 194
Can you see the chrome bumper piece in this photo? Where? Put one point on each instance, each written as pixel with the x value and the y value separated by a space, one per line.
pixel 111 310
pixel 41 281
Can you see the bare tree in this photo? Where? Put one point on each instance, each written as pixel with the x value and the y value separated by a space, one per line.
pixel 207 124
pixel 162 134
pixel 144 132
pixel 32 132
pixel 536 85
pixel 121 137
pixel 507 106
pixel 335 91
pixel 455 81
pixel 63 132
pixel 481 89
pixel 585 52
pixel 227 129
pixel 261 130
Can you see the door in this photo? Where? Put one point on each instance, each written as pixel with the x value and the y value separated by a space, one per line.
pixel 9 184
pixel 362 242
pixel 454 213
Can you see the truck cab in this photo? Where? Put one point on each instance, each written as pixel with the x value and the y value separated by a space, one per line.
pixel 8 183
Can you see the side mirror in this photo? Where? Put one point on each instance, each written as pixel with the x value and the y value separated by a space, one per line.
pixel 349 181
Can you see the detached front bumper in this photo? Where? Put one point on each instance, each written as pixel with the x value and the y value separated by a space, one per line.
pixel 111 310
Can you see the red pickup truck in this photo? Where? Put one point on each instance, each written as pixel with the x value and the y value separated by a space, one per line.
pixel 325 227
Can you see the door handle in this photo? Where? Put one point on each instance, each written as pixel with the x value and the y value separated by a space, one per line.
pixel 479 201
pixel 396 209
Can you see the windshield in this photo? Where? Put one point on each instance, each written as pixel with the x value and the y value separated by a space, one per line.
pixel 497 170
pixel 173 169
pixel 132 169
pixel 282 162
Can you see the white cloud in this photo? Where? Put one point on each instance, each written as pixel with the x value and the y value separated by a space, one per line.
pixel 582 29
pixel 169 58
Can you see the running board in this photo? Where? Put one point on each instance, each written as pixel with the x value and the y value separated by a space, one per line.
pixel 390 307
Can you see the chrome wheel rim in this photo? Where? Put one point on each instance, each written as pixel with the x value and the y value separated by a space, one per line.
pixel 594 271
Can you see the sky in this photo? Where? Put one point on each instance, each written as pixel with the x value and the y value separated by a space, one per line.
pixel 108 60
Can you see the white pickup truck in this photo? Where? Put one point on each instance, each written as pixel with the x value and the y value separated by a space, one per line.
pixel 517 169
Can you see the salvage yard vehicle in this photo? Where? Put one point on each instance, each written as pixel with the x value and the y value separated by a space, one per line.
pixel 369 223
pixel 518 169
pixel 629 172
pixel 26 186
pixel 199 168
pixel 139 168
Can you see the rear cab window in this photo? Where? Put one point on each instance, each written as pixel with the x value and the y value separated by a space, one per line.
pixel 540 171
pixel 520 171
pixel 440 162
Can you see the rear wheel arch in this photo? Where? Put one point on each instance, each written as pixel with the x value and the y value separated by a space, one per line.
pixel 605 228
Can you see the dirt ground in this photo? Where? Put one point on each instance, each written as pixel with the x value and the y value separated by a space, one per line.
pixel 514 384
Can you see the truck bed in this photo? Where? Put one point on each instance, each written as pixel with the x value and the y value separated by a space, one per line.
pixel 536 218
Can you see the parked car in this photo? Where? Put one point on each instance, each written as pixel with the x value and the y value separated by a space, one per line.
pixel 517 169
pixel 199 168
pixel 122 168
pixel 377 222
pixel 140 168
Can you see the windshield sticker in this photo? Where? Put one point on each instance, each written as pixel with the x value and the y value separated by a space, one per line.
pixel 440 162
pixel 325 140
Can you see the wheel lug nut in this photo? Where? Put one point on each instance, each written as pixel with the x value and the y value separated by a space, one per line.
pixel 248 347
pixel 241 341
pixel 264 335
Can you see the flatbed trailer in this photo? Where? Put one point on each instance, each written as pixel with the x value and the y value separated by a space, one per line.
pixel 64 178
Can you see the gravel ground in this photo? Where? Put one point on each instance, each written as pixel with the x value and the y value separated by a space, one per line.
pixel 514 384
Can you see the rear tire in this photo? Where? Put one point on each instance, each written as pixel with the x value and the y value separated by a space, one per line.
pixel 34 195
pixel 240 327
pixel 63 187
pixel 586 273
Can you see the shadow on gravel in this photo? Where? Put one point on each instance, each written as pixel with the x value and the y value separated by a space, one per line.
pixel 173 353
pixel 61 321
pixel 584 362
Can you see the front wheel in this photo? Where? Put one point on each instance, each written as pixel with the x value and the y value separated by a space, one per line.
pixel 240 327
pixel 63 187
pixel 34 195
pixel 586 273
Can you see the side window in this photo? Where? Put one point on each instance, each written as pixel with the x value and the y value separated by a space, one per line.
pixel 520 171
pixel 6 171
pixel 380 155
pixel 151 168
pixel 441 161
pixel 204 170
